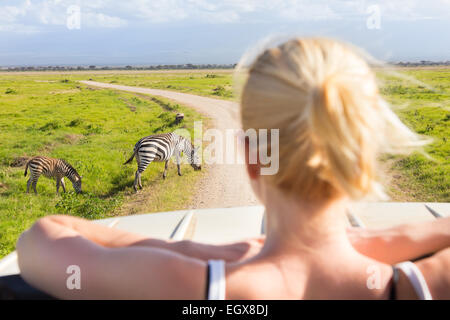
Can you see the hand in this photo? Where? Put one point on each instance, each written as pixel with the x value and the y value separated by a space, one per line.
pixel 243 250
pixel 229 252
pixel 403 242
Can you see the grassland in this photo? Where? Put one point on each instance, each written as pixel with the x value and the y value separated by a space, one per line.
pixel 95 130
pixel 52 114
pixel 419 96
pixel 215 84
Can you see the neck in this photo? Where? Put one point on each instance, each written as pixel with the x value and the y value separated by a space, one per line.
pixel 71 174
pixel 304 226
pixel 187 148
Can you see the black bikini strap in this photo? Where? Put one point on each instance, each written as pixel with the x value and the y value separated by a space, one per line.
pixel 393 291
pixel 207 282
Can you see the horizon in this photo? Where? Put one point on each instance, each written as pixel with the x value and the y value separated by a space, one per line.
pixel 173 32
pixel 219 65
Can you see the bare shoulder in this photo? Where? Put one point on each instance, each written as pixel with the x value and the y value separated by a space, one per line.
pixel 257 280
pixel 435 271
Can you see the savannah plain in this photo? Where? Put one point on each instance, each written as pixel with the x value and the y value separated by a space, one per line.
pixel 53 114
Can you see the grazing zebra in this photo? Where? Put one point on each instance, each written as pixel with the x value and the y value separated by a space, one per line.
pixel 52 168
pixel 162 147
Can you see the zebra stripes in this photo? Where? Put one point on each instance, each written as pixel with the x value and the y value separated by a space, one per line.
pixel 162 147
pixel 52 168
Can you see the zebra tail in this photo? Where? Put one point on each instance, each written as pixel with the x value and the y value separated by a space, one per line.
pixel 129 160
pixel 26 169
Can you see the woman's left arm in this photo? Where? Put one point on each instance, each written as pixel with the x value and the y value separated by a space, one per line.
pixel 404 242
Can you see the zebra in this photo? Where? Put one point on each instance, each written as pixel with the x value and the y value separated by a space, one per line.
pixel 52 168
pixel 161 147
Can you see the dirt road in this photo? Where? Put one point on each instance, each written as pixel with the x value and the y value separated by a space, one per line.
pixel 226 185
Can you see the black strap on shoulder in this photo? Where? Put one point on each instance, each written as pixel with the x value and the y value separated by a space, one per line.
pixel 393 291
pixel 13 287
pixel 207 281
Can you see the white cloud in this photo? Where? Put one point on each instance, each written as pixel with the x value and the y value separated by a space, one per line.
pixel 10 14
pixel 19 28
pixel 37 15
pixel 41 14
pixel 102 21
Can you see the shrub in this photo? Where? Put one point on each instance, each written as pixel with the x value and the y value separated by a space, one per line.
pixel 52 125
pixel 75 122
pixel 93 129
pixel 10 91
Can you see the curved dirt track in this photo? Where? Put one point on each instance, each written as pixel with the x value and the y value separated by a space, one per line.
pixel 226 185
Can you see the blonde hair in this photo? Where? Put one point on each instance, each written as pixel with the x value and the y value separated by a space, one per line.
pixel 332 121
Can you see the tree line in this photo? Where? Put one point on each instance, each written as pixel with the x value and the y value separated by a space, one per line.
pixel 187 66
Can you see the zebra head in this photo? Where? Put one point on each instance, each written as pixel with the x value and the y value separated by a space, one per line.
pixel 194 158
pixel 76 183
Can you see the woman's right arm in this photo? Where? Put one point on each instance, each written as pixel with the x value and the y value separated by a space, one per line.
pixel 57 259
pixel 115 238
pixel 404 242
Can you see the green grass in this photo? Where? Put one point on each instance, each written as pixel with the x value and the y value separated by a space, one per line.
pixel 425 107
pixel 95 131
pixel 215 84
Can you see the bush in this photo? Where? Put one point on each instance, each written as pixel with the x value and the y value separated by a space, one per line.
pixel 75 122
pixel 52 125
pixel 93 129
pixel 10 91
pixel 222 92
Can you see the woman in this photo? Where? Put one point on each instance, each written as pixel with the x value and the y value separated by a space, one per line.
pixel 333 124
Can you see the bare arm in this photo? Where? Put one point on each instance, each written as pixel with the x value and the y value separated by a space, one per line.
pixel 404 242
pixel 47 250
pixel 115 238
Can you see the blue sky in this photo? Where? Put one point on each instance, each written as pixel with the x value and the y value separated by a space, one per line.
pixel 36 32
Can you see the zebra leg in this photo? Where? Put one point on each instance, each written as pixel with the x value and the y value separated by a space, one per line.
pixel 137 178
pixel 34 177
pixel 178 157
pixel 63 184
pixel 57 185
pixel 34 186
pixel 29 184
pixel 165 169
